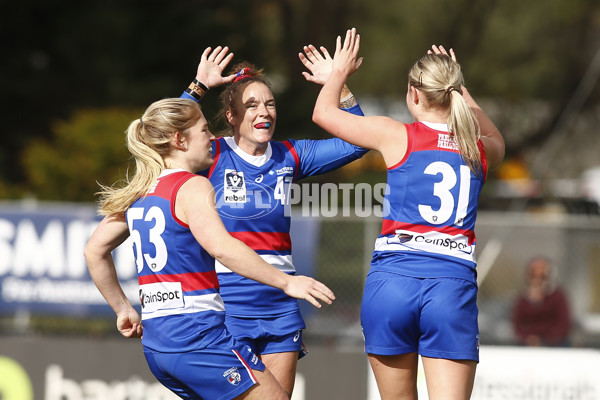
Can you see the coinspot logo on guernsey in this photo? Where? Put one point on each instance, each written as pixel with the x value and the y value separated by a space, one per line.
pixel 161 296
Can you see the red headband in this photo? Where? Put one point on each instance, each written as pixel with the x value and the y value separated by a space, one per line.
pixel 243 74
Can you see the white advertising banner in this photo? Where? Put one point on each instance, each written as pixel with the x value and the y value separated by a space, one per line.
pixel 526 373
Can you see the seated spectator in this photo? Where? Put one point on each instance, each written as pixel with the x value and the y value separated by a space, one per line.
pixel 541 314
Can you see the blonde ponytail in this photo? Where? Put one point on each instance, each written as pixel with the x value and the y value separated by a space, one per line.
pixel 149 141
pixel 465 127
pixel 440 79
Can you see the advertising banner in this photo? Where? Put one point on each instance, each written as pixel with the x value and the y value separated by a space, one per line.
pixel 42 268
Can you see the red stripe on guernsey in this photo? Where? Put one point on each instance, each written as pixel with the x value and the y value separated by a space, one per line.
pixel 190 281
pixel 215 157
pixel 167 190
pixel 292 150
pixel 239 356
pixel 429 141
pixel 483 159
pixel 422 142
pixel 425 139
pixel 389 227
pixel 176 187
pixel 265 240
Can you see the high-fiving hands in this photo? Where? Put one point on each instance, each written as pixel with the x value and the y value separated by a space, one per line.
pixel 211 67
pixel 345 59
pixel 318 64
pixel 441 50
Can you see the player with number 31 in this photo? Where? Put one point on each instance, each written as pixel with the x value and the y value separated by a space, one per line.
pixel 421 291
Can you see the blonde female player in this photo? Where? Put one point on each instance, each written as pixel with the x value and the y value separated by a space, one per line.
pixel 169 213
pixel 420 293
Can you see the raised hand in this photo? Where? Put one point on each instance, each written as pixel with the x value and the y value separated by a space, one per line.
pixel 318 64
pixel 346 59
pixel 211 67
pixel 441 50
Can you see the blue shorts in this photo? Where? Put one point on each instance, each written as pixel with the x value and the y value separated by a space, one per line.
pixel 278 334
pixel 436 317
pixel 222 370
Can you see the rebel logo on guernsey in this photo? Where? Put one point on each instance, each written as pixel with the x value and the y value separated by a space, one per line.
pixel 161 296
pixel 234 187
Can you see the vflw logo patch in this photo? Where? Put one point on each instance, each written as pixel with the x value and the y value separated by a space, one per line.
pixel 234 187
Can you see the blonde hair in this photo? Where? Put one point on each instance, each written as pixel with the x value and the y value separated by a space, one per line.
pixel 149 141
pixel 440 79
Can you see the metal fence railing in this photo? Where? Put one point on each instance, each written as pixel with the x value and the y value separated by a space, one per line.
pixel 506 241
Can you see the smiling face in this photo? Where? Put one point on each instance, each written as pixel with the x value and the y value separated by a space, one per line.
pixel 199 145
pixel 253 118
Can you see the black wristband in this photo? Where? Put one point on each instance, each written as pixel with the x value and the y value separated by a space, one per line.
pixel 197 90
pixel 194 95
pixel 198 83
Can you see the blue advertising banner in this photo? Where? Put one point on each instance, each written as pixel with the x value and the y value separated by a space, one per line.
pixel 42 268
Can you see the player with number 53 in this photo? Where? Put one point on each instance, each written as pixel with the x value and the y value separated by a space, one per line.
pixel 169 213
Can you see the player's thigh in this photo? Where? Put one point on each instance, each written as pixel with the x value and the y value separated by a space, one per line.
pixel 283 367
pixel 267 387
pixel 396 375
pixel 449 379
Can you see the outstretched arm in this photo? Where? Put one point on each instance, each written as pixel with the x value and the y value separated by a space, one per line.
pixel 378 133
pixel 195 205
pixel 210 72
pixel 107 236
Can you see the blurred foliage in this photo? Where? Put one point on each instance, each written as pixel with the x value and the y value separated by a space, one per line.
pixel 84 151
pixel 67 61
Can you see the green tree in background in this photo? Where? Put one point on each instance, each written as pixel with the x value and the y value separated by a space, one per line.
pixel 86 150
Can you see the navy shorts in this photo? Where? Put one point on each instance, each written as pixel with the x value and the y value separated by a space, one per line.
pixel 222 370
pixel 278 334
pixel 435 317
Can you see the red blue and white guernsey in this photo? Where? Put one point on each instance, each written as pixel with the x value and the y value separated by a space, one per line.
pixel 252 196
pixel 430 209
pixel 178 285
